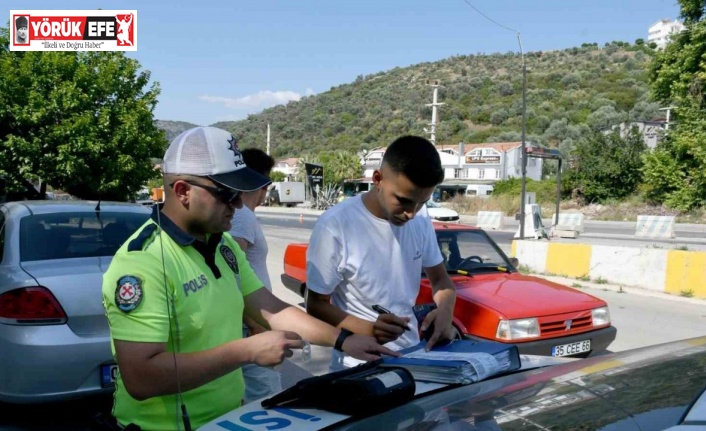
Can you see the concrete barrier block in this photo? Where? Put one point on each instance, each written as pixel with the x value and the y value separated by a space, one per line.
pixel 569 221
pixel 532 254
pixel 686 272
pixel 655 226
pixel 490 220
pixel 571 260
pixel 565 232
pixel 629 266
pixel 676 272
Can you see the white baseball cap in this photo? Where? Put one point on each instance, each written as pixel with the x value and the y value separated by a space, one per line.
pixel 213 153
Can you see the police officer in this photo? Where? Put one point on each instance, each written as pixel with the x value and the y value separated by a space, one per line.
pixel 176 292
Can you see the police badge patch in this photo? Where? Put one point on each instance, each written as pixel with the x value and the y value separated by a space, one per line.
pixel 230 259
pixel 128 294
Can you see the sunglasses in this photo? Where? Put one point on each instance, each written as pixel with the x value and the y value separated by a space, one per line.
pixel 227 196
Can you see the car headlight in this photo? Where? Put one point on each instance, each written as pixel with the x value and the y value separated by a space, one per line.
pixel 517 329
pixel 600 316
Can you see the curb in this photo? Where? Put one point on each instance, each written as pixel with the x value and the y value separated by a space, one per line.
pixel 566 281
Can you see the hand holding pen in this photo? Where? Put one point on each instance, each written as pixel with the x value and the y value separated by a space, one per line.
pixel 388 327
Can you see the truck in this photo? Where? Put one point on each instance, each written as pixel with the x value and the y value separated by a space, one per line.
pixel 287 193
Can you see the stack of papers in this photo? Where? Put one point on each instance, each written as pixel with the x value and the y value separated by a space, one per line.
pixel 460 362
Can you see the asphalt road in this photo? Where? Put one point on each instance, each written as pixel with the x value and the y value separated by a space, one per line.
pixel 594 228
pixel 689 236
pixel 641 321
pixel 612 228
pixel 503 238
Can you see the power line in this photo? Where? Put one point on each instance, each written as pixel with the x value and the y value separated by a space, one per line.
pixel 489 18
pixel 524 119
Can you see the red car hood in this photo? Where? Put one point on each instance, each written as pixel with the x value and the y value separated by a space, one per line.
pixel 516 296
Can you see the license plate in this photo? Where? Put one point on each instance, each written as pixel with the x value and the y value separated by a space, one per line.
pixel 108 374
pixel 572 348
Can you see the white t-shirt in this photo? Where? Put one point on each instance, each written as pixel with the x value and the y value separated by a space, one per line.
pixel 423 212
pixel 246 226
pixel 361 260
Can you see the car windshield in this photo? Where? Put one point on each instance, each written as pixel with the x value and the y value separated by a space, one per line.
pixel 431 204
pixel 70 235
pixel 471 250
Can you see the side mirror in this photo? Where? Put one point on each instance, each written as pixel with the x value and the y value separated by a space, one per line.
pixel 515 262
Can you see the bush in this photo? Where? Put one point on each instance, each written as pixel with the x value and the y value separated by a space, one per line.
pixel 499 116
pixel 607 166
pixel 545 189
pixel 277 176
pixel 507 204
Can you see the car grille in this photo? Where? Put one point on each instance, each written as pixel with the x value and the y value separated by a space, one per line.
pixel 558 324
pixel 451 218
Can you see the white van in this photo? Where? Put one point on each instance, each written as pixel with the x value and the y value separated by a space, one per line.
pixel 479 190
pixel 287 193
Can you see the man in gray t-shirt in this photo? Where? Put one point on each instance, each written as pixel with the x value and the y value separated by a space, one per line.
pixel 260 382
pixel 248 234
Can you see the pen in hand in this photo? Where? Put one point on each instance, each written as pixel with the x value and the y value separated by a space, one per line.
pixel 382 310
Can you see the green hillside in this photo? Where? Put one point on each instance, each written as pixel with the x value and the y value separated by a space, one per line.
pixel 568 91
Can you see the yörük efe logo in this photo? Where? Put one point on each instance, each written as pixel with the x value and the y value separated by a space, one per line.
pixel 73 30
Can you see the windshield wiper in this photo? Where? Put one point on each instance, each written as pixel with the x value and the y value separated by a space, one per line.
pixel 459 271
pixel 496 267
pixel 484 266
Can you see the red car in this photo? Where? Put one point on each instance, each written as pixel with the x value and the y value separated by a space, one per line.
pixel 495 302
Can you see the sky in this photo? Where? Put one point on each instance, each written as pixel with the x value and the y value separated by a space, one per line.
pixel 221 60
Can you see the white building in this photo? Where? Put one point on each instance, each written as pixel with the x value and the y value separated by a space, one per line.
pixel 661 31
pixel 470 164
pixel 289 167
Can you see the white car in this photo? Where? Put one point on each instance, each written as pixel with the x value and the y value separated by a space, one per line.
pixel 439 213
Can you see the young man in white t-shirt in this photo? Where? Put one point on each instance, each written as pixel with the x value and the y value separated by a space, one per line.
pixel 260 381
pixel 371 250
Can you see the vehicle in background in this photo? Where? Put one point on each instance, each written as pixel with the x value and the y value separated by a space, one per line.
pixel 144 197
pixel 54 336
pixel 287 193
pixel 436 212
pixel 481 190
pixel 157 195
pixel 496 302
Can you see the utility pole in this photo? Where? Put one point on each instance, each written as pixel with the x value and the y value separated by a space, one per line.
pixel 524 145
pixel 268 139
pixel 434 83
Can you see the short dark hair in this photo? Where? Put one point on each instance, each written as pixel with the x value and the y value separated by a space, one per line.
pixel 417 159
pixel 258 160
